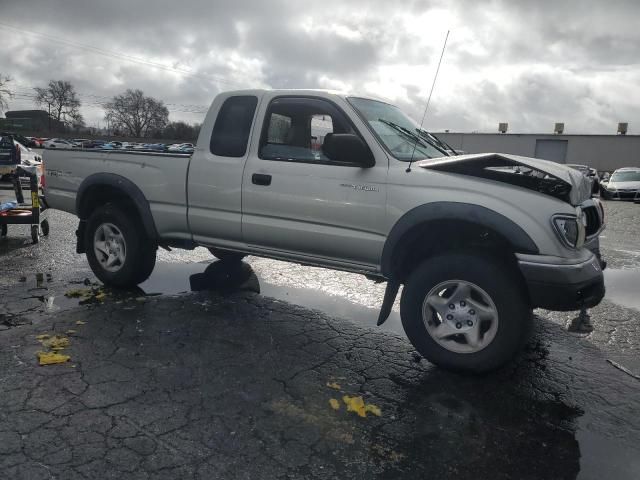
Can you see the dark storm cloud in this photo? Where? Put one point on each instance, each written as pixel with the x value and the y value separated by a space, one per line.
pixel 528 63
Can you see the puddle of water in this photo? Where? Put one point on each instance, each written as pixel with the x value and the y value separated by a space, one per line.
pixel 623 287
pixel 621 462
pixel 174 278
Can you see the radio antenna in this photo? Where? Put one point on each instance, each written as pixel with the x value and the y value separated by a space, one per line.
pixel 424 115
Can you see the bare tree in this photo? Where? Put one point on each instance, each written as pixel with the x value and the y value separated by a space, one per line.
pixel 62 102
pixel 5 93
pixel 135 114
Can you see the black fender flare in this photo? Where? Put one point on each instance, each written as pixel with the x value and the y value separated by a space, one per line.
pixel 512 232
pixel 127 187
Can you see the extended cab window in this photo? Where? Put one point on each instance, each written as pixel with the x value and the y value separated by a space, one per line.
pixel 295 129
pixel 233 125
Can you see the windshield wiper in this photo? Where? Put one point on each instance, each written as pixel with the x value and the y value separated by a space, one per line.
pixel 418 138
pixel 442 144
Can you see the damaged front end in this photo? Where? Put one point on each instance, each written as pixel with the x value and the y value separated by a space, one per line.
pixel 542 176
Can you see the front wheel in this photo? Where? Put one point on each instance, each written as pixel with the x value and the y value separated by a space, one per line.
pixel 118 249
pixel 465 312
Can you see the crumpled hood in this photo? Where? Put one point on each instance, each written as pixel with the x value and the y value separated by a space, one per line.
pixel 543 176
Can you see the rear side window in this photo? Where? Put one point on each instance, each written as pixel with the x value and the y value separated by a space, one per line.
pixel 233 125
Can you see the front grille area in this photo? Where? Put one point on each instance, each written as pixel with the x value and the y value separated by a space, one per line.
pixel 593 220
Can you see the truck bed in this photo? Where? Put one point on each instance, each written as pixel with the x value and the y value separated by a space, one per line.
pixel 160 176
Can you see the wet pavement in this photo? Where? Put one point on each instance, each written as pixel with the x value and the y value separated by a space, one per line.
pixel 212 370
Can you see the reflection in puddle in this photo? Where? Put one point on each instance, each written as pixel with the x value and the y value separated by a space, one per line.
pixel 224 277
pixel 623 287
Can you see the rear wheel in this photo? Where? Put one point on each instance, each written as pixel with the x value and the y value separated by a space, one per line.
pixel 465 312
pixel 227 255
pixel 118 249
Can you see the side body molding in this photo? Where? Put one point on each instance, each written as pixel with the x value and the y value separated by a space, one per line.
pixel 94 183
pixel 465 212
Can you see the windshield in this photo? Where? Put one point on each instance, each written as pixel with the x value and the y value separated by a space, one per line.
pixel 633 176
pixel 398 133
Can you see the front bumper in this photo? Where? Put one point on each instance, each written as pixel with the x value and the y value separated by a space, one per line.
pixel 556 283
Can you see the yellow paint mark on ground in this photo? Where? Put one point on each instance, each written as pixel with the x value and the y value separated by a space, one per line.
pixel 335 404
pixel 357 405
pixel 52 358
pixel 334 385
pixel 43 336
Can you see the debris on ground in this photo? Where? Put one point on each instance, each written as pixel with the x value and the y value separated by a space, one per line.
pixel 357 405
pixel 87 294
pixel 52 358
pixel 80 322
pixel 71 331
pixel 624 369
pixel 334 385
pixel 54 344
pixel 335 404
pixel 57 342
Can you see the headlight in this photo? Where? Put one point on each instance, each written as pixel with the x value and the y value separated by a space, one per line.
pixel 570 230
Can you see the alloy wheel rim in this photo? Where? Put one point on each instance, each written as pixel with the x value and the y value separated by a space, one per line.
pixel 110 247
pixel 460 316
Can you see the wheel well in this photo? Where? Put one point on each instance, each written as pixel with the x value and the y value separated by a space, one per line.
pixel 98 195
pixel 446 235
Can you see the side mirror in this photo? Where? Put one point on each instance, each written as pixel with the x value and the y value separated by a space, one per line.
pixel 348 148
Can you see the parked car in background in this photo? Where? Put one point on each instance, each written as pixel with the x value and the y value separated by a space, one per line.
pixel 58 143
pixel 624 184
pixel 34 142
pixel 181 148
pixel 111 146
pixel 590 173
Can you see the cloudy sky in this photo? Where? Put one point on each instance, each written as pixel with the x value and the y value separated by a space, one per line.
pixel 527 63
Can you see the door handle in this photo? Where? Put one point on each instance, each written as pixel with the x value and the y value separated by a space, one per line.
pixel 261 179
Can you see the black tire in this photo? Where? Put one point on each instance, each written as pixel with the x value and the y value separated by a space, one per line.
pixel 140 256
pixel 227 255
pixel 501 284
pixel 45 227
pixel 3 230
pixel 35 233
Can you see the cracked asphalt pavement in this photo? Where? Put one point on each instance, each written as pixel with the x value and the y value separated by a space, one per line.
pixel 217 371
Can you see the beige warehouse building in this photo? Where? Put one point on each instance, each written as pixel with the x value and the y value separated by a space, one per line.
pixel 602 152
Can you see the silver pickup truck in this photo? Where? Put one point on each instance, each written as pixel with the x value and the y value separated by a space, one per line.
pixel 325 179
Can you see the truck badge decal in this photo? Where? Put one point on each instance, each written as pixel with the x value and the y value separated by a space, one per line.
pixel 364 188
